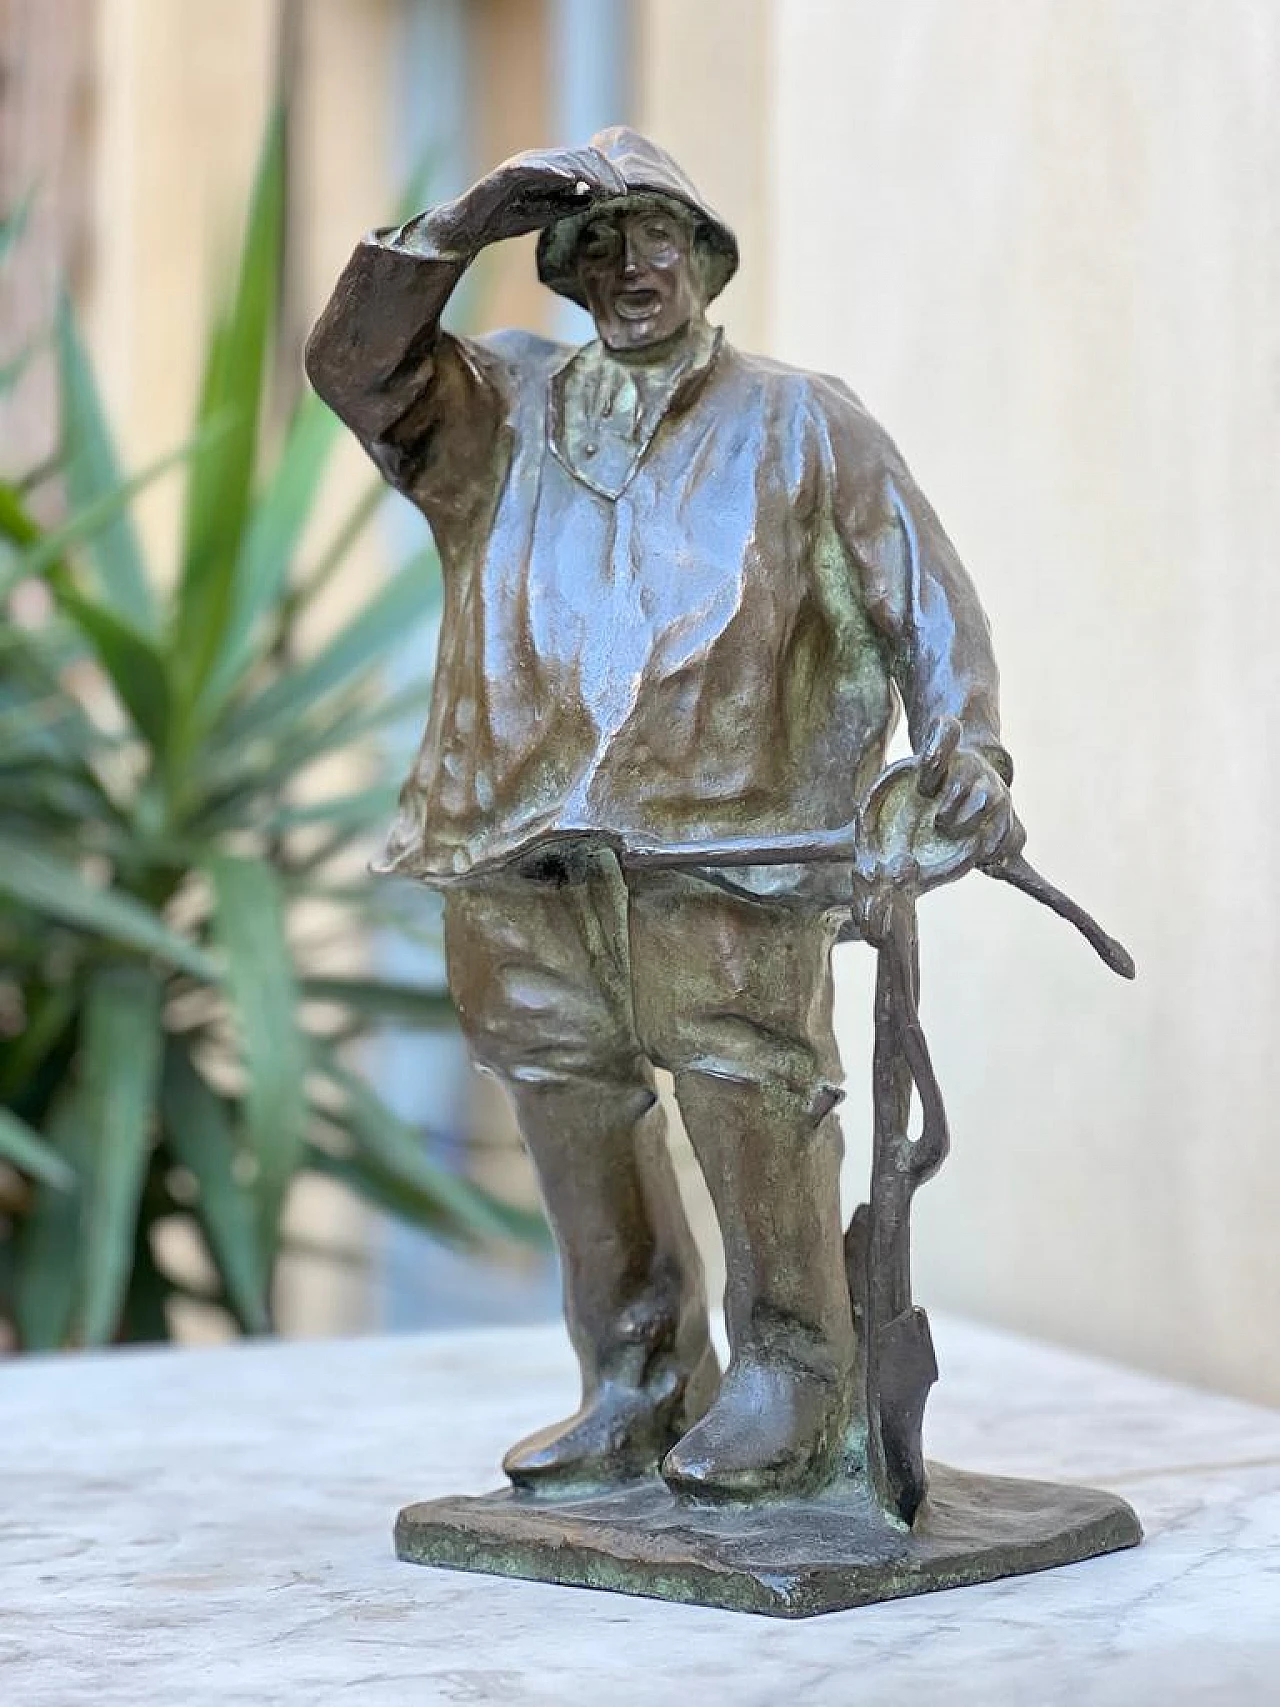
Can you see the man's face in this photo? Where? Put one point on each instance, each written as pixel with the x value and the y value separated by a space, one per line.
pixel 637 273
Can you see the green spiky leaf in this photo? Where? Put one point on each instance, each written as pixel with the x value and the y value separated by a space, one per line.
pixel 201 1136
pixel 134 665
pixel 383 999
pixel 30 1152
pixel 119 1079
pixel 221 483
pixel 249 922
pixel 50 1246
pixel 55 887
pixel 92 472
pixel 270 544
pixel 409 598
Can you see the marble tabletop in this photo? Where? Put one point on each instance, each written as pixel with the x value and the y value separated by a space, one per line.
pixel 196 1527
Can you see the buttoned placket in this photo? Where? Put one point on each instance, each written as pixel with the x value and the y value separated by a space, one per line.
pixel 645 423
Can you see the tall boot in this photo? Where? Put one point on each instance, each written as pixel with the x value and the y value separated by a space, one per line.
pixel 634 1294
pixel 771 1158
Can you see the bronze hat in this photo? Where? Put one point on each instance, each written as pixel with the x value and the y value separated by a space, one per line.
pixel 646 170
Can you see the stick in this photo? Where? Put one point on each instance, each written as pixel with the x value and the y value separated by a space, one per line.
pixel 841 845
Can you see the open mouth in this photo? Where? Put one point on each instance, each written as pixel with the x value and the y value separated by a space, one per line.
pixel 637 304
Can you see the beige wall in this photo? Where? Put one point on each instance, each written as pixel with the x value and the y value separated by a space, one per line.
pixel 702 89
pixel 178 102
pixel 1042 239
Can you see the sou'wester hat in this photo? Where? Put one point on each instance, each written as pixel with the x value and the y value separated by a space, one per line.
pixel 648 170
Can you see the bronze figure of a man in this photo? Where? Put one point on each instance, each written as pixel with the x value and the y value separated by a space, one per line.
pixel 686 590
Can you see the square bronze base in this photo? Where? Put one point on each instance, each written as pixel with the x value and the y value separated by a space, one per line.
pixel 786 1558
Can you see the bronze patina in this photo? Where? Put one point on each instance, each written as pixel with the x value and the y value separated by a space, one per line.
pixel 687 593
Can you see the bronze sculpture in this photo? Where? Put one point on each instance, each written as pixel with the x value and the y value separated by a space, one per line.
pixel 686 590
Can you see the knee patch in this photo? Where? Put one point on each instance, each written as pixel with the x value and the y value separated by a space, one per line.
pixel 811 1098
pixel 524 1061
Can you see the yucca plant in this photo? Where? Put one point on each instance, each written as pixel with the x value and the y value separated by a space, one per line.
pixel 167 1048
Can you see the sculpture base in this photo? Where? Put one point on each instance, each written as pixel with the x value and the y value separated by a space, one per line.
pixel 786 1558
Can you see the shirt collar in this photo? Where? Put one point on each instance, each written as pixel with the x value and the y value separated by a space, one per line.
pixel 682 381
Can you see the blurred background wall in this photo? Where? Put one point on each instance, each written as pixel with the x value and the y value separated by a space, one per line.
pixel 1042 239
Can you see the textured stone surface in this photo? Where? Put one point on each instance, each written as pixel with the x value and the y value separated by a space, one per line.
pixel 787 1559
pixel 213 1529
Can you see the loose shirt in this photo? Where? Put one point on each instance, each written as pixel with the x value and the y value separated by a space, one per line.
pixel 698 626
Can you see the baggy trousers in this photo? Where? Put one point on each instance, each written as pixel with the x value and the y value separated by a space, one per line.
pixel 571 987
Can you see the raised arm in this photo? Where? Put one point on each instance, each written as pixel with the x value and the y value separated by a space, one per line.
pixel 373 353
